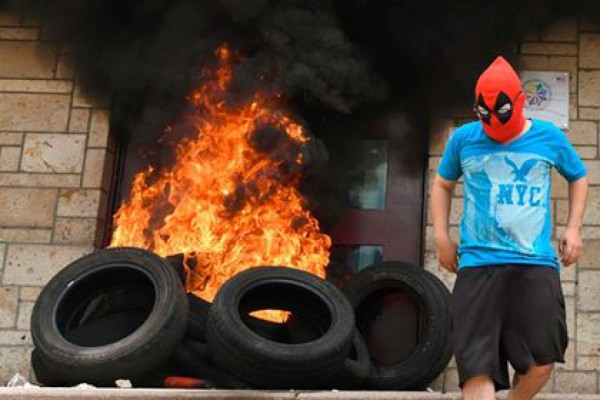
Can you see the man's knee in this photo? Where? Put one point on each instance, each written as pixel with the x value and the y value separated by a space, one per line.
pixel 479 388
pixel 478 381
pixel 540 372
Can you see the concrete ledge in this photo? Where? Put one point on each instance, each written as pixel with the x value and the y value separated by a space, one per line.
pixel 177 394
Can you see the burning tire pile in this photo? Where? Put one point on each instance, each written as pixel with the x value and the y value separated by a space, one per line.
pixel 123 313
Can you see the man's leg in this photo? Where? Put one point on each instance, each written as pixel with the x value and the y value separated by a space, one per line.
pixel 479 298
pixel 479 388
pixel 532 382
pixel 535 333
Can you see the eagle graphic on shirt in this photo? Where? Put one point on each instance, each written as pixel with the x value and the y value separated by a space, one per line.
pixel 520 174
pixel 508 207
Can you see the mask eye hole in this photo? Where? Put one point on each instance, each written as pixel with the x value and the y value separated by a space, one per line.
pixel 505 109
pixel 483 111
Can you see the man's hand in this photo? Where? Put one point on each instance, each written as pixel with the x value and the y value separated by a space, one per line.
pixel 446 253
pixel 570 246
pixel 441 200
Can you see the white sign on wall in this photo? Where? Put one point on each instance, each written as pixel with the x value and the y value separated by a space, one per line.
pixel 547 96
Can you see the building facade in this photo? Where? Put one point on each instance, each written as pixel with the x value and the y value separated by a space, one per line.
pixel 56 154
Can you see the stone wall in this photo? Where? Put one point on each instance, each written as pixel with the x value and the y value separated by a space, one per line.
pixel 571 46
pixel 53 147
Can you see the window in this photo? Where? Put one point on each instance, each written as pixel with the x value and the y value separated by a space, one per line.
pixel 371 180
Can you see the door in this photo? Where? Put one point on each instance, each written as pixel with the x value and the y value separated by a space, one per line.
pixel 385 221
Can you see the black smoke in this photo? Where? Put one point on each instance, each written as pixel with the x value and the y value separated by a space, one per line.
pixel 340 55
pixel 147 55
pixel 331 59
pixel 436 49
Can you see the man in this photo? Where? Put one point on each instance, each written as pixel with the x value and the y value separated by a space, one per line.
pixel 508 302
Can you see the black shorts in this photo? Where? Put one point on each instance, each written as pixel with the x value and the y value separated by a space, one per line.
pixel 507 313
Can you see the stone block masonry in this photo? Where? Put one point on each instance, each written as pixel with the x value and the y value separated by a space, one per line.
pixel 53 152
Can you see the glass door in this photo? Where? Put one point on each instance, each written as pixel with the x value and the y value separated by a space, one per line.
pixel 385 219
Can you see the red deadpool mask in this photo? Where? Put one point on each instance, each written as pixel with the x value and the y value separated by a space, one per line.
pixel 499 101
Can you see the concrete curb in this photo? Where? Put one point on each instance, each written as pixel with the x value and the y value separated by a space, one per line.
pixel 177 394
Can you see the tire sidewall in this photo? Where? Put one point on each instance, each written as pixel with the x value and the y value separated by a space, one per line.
pixel 288 364
pixel 410 372
pixel 123 353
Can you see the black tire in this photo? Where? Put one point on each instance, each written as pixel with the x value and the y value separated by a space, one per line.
pixel 356 366
pixel 192 359
pixel 197 318
pixel 176 261
pixel 432 349
pixel 49 374
pixel 43 372
pixel 445 298
pixel 198 307
pixel 269 364
pixel 94 291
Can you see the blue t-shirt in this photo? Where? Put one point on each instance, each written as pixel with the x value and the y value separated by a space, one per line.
pixel 506 213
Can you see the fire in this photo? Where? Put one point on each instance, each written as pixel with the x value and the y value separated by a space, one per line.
pixel 228 202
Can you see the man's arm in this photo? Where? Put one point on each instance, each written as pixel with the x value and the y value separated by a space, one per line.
pixel 441 200
pixel 570 245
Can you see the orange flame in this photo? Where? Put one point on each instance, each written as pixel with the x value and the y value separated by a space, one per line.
pixel 221 202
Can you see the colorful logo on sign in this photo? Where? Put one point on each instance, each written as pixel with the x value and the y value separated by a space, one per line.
pixel 537 94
